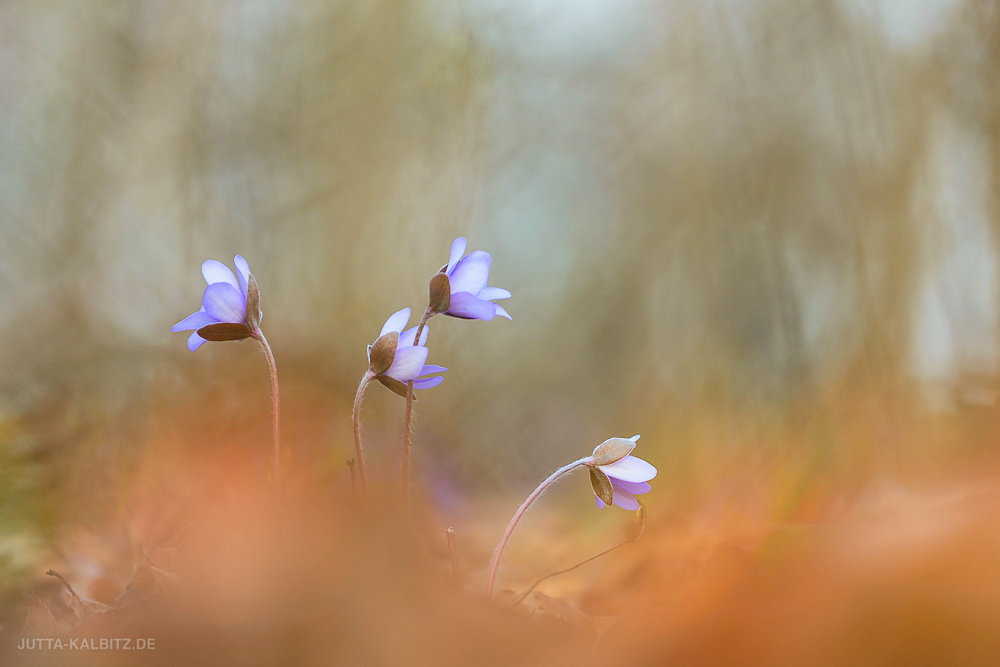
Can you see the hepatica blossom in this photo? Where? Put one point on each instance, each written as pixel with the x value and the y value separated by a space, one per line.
pixel 615 474
pixel 460 289
pixel 230 310
pixel 397 357
pixel 628 475
pixel 224 302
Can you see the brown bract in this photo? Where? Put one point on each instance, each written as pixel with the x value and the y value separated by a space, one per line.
pixel 382 352
pixel 225 331
pixel 602 485
pixel 440 293
pixel 253 302
pixel 612 450
pixel 393 385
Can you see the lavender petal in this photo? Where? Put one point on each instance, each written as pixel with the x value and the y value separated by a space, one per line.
pixel 635 488
pixel 491 293
pixel 624 499
pixel 215 272
pixel 195 341
pixel 406 338
pixel 243 273
pixel 195 320
pixel 427 383
pixel 630 469
pixel 471 273
pixel 457 250
pixel 224 303
pixel 407 363
pixel 396 321
pixel 468 307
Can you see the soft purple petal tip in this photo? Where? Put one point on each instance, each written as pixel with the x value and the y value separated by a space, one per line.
pixel 427 383
pixel 195 341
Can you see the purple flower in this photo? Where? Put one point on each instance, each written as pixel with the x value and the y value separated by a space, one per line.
pixel 224 302
pixel 407 360
pixel 629 477
pixel 470 297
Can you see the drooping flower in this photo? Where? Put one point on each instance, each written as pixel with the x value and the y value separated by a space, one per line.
pixel 230 305
pixel 623 476
pixel 616 476
pixel 394 360
pixel 460 288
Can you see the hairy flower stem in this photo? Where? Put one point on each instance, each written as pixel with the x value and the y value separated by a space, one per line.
pixel 359 456
pixel 408 414
pixel 495 563
pixel 276 408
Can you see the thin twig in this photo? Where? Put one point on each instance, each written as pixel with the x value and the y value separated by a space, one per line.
pixel 45 607
pixel 639 534
pixel 354 479
pixel 455 572
pixel 76 596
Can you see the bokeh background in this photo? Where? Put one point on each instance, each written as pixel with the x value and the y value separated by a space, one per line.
pixel 763 234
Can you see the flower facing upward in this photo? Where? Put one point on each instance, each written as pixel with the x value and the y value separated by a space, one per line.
pixel 394 360
pixel 460 288
pixel 230 306
pixel 623 477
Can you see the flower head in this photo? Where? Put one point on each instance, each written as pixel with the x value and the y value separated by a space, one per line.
pixel 624 477
pixel 230 305
pixel 462 291
pixel 395 360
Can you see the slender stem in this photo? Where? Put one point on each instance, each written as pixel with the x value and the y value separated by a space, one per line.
pixel 408 414
pixel 634 538
pixel 44 606
pixel 359 456
pixel 495 563
pixel 276 411
pixel 76 596
pixel 455 572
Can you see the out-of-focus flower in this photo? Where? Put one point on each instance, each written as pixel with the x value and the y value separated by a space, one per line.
pixel 230 305
pixel 460 288
pixel 394 360
pixel 624 477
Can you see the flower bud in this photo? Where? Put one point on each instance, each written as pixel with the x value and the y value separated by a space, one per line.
pixel 440 293
pixel 602 486
pixel 253 302
pixel 612 450
pixel 225 331
pixel 381 354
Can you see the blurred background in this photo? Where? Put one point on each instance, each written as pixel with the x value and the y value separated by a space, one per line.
pixel 763 234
